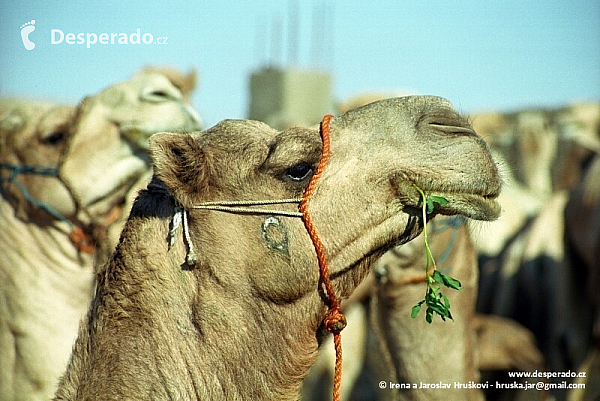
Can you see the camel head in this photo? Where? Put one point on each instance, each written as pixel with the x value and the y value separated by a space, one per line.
pixel 119 121
pixel 211 300
pixel 98 150
pixel 364 203
pixel 185 83
pixel 32 134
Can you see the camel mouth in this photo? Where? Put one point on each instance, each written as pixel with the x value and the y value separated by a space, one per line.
pixel 114 191
pixel 472 205
pixel 139 140
pixel 475 202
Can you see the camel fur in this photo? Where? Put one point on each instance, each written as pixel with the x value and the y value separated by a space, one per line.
pixel 99 152
pixel 245 320
pixel 441 351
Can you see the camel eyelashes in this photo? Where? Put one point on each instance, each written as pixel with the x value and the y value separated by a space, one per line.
pixel 299 172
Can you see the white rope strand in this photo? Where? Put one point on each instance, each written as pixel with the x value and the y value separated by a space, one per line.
pixel 250 203
pixel 239 206
pixel 191 257
pixel 235 209
pixel 180 217
pixel 175 223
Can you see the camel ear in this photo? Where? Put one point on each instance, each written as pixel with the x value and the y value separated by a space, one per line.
pixel 179 163
pixel 188 83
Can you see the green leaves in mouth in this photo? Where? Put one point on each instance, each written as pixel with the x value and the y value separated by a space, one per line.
pixel 435 301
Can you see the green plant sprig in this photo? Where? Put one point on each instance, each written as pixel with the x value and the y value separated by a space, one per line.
pixel 435 301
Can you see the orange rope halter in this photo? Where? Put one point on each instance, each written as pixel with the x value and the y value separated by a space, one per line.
pixel 335 320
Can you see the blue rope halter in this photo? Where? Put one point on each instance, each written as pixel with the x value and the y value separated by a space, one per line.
pixel 49 171
pixel 83 239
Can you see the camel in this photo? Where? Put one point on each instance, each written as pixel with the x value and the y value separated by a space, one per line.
pixel 122 117
pixel 541 152
pixel 537 275
pixel 66 177
pixel 408 351
pixel 226 304
pixel 543 147
pixel 451 352
pixel 184 83
pixel 582 215
pixel 534 282
pixel 582 239
pixel 448 351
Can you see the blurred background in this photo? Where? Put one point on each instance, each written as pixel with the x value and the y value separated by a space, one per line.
pixel 526 73
pixel 481 55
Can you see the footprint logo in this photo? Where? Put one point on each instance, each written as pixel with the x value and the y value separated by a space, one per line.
pixel 26 29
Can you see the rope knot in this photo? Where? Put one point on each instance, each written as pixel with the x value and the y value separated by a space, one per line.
pixel 335 321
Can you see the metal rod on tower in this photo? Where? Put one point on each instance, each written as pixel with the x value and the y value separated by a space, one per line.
pixel 260 43
pixel 330 36
pixel 293 33
pixel 316 43
pixel 276 40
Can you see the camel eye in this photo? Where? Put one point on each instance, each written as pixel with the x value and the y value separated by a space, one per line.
pixel 159 95
pixel 299 172
pixel 55 138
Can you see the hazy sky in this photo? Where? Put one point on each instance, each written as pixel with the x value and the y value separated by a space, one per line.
pixel 480 55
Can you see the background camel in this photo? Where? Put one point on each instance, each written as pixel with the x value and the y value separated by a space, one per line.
pixel 388 345
pixel 536 276
pixel 541 152
pixel 440 351
pixel 582 236
pixel 96 155
pixel 244 321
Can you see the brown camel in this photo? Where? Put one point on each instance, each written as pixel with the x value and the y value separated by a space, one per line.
pixel 233 310
pixel 410 352
pixel 399 349
pixel 446 354
pixel 63 168
pixel 432 358
pixel 540 152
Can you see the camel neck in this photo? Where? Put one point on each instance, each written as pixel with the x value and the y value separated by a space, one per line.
pixel 45 279
pixel 173 330
pixel 45 252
